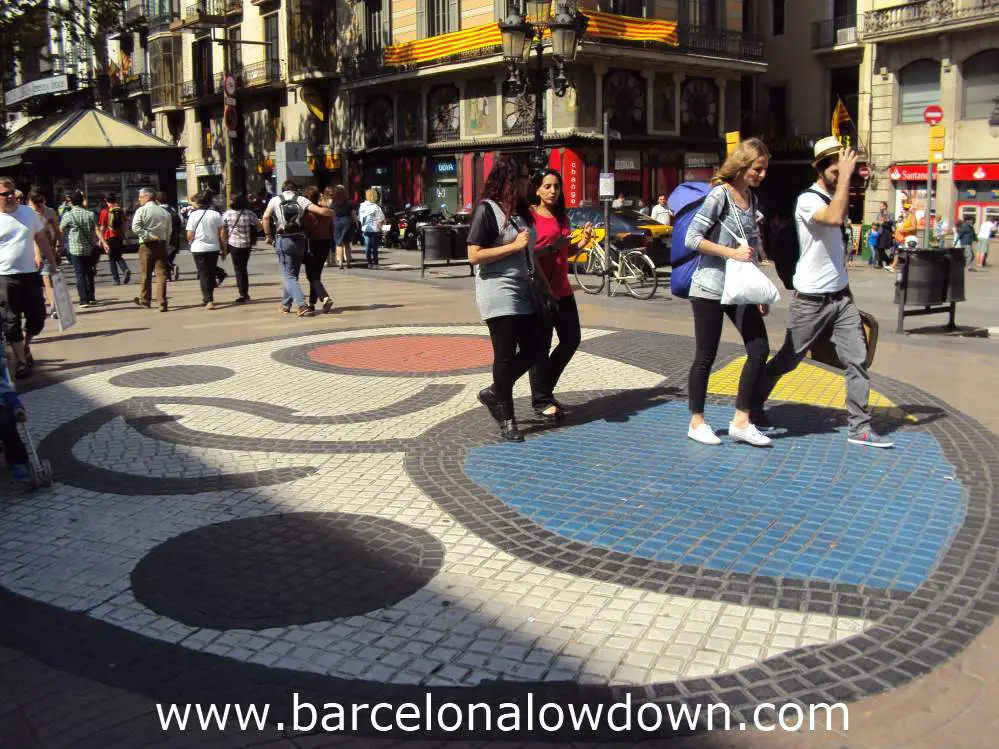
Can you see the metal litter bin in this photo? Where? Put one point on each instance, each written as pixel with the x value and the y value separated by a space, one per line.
pixel 926 278
pixel 438 243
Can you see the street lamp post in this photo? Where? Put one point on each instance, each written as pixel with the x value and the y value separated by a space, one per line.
pixel 521 35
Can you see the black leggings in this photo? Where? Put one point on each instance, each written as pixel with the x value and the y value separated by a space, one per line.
pixel 314 260
pixel 240 259
pixel 516 347
pixel 708 316
pixel 208 265
pixel 545 374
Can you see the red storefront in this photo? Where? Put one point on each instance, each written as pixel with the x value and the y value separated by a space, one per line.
pixel 977 192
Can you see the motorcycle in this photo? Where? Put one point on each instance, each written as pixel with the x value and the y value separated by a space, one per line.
pixel 416 219
pixel 393 229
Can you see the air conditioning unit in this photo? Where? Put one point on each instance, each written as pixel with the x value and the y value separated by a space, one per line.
pixel 847 35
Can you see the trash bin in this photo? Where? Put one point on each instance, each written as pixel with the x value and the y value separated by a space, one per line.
pixel 460 249
pixel 438 243
pixel 930 277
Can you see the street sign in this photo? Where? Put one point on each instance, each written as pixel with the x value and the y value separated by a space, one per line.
pixel 938 135
pixel 229 118
pixel 229 86
pixel 229 101
pixel 232 133
pixel 731 141
pixel 864 171
pixel 607 185
pixel 933 114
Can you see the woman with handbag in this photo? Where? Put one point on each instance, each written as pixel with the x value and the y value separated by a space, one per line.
pixel 319 239
pixel 241 228
pixel 500 244
pixel 726 228
pixel 551 257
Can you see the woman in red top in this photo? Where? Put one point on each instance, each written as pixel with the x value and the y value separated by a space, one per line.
pixel 551 255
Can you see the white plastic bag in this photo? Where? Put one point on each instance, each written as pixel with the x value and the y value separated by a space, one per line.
pixel 745 283
pixel 63 304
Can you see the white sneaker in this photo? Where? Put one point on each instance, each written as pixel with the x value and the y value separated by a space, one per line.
pixel 749 434
pixel 703 434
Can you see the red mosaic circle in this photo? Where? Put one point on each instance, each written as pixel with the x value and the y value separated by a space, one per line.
pixel 417 354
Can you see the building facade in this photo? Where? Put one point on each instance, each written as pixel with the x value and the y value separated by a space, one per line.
pixel 887 61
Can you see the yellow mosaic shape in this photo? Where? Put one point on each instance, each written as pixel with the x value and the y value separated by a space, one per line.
pixel 807 384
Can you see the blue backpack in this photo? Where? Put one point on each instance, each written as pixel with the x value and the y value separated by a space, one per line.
pixel 684 202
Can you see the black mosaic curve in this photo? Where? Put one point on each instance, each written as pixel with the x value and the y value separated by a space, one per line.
pixel 935 623
pixel 298 356
pixel 172 376
pixel 283 570
pixel 57 447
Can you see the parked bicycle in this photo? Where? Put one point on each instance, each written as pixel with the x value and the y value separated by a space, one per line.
pixel 634 269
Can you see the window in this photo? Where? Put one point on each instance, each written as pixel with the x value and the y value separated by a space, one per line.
pixel 374 31
pixel 435 17
pixel 777 16
pixel 203 71
pixel 703 13
pixel 634 8
pixel 919 86
pixel 235 49
pixel 981 84
pixel 778 113
pixel 273 49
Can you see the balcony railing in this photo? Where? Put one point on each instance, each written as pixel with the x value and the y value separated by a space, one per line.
pixel 193 90
pixel 315 59
pixel 134 12
pixel 926 16
pixel 212 8
pixel 719 43
pixel 137 84
pixel 834 32
pixel 165 96
pixel 258 73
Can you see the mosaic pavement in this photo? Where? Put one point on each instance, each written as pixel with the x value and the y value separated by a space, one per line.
pixel 333 514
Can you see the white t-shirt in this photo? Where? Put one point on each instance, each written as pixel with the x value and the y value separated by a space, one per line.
pixel 275 207
pixel 986 229
pixel 205 223
pixel 17 240
pixel 821 265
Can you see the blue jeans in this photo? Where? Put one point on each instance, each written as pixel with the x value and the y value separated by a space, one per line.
pixel 290 252
pixel 371 239
pixel 83 266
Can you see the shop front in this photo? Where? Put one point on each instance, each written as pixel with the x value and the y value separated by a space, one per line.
pixel 442 184
pixel 378 173
pixel 700 167
pixel 909 181
pixel 977 192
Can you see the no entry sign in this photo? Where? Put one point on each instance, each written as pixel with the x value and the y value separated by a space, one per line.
pixel 933 114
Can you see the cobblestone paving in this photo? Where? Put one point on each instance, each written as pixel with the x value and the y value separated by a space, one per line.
pixel 236 532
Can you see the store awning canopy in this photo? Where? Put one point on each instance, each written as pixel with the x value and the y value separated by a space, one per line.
pixel 81 129
pixel 601 25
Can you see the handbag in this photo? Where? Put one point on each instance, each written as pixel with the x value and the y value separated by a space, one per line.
pixel 544 302
pixel 745 283
pixel 823 351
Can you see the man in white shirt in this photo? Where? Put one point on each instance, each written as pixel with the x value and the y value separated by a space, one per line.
pixel 823 303
pixel 20 277
pixel 288 211
pixel 660 212
pixel 985 232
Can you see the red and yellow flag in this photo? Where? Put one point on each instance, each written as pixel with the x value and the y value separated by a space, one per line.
pixel 840 117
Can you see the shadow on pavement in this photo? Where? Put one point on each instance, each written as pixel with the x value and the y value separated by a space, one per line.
pixel 56 336
pixel 799 419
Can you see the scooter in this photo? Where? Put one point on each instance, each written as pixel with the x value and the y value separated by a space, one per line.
pixel 418 217
pixel 392 230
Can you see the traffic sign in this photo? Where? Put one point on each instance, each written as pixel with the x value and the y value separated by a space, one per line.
pixel 933 114
pixel 864 171
pixel 229 118
pixel 732 141
pixel 229 101
pixel 229 85
pixel 937 138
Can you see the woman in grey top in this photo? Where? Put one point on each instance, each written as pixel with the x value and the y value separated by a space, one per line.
pixel 500 241
pixel 726 228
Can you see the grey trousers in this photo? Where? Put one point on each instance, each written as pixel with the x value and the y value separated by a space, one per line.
pixel 807 320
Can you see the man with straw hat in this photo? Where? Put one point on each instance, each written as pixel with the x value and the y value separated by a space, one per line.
pixel 822 301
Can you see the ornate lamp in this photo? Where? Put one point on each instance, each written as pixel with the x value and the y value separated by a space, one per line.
pixel 516 34
pixel 567 29
pixel 539 11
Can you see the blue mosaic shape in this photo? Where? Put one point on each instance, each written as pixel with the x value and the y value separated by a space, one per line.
pixel 812 507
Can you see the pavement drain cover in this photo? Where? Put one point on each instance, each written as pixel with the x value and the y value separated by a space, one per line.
pixel 282 570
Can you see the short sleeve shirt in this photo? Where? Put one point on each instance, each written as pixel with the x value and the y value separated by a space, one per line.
pixel 17 240
pixel 821 265
pixel 502 287
pixel 275 207
pixel 239 226
pixel 205 223
pixel 554 263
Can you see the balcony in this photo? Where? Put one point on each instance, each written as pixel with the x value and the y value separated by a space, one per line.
pixel 134 13
pixel 258 74
pixel 136 85
pixel 834 32
pixel 364 65
pixel 165 96
pixel 927 17
pixel 311 61
pixel 191 91
pixel 704 40
pixel 209 12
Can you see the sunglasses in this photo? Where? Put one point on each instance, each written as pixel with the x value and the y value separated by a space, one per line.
pixel 8 194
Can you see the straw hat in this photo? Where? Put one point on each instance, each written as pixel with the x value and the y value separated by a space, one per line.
pixel 826 147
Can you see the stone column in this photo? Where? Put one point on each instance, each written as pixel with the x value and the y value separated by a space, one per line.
pixel 678 79
pixel 722 85
pixel 650 119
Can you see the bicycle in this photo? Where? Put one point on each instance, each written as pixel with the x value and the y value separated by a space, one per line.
pixel 634 269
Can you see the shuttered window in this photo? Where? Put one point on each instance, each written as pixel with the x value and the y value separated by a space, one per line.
pixel 436 17
pixel 919 87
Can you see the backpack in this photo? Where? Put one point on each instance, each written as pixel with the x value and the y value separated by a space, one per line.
pixel 684 202
pixel 291 212
pixel 786 247
pixel 116 221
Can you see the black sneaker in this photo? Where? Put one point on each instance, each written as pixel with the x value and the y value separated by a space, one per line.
pixel 870 439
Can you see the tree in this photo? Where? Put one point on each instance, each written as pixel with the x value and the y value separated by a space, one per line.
pixel 87 24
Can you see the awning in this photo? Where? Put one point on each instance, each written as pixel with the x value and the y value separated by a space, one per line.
pixel 976 172
pixel 601 25
pixel 83 128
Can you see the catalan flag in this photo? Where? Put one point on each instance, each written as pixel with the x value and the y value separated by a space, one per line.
pixel 840 117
